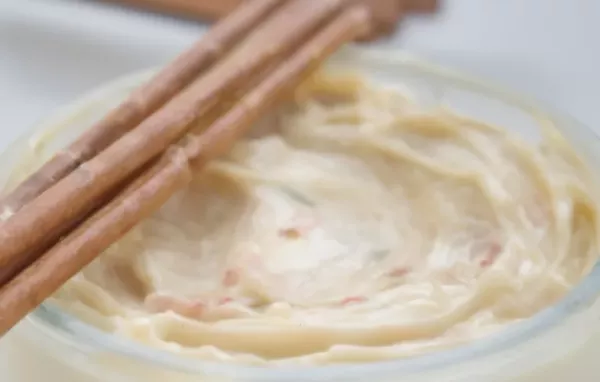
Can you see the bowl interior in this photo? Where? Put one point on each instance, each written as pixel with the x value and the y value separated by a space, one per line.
pixel 429 85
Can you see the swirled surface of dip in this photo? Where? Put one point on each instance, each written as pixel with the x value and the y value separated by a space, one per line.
pixel 354 226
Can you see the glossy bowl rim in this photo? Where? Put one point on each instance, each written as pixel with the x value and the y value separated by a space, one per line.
pixel 64 327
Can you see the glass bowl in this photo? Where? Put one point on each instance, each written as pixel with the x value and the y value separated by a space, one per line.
pixel 557 344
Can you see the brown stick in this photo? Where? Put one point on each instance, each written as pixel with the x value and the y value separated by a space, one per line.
pixel 198 9
pixel 386 15
pixel 22 235
pixel 211 10
pixel 31 287
pixel 142 102
pixel 423 6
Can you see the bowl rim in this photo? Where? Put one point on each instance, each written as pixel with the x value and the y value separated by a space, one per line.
pixel 66 328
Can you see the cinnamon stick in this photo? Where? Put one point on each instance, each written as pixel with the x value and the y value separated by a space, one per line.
pixel 423 6
pixel 142 102
pixel 77 194
pixel 210 10
pixel 385 15
pixel 198 9
pixel 28 289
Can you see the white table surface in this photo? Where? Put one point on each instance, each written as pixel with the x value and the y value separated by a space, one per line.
pixel 51 51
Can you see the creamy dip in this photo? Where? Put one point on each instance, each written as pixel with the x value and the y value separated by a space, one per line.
pixel 351 226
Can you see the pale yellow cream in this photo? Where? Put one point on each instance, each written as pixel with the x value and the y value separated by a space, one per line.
pixel 352 226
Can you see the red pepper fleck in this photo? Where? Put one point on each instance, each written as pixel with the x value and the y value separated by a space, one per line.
pixel 353 300
pixel 493 252
pixel 485 263
pixel 398 272
pixel 225 300
pixel 231 278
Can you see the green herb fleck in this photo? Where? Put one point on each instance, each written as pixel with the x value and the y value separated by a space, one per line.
pixel 380 254
pixel 298 197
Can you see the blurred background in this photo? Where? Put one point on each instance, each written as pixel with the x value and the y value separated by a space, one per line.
pixel 52 51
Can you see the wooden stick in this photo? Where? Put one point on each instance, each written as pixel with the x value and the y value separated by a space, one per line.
pixel 211 10
pixel 197 9
pixel 31 287
pixel 423 6
pixel 77 194
pixel 386 15
pixel 143 102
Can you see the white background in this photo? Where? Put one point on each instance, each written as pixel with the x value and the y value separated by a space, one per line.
pixel 51 51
